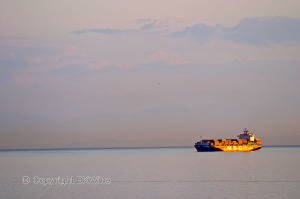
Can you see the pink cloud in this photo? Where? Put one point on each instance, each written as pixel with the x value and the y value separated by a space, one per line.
pixel 97 65
pixel 159 54
pixel 171 58
pixel 70 55
pixel 178 62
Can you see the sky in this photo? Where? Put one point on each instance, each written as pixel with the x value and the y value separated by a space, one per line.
pixel 148 73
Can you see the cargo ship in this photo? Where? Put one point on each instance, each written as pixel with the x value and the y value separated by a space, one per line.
pixel 246 142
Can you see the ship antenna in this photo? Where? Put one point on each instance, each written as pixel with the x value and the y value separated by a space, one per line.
pixel 201 138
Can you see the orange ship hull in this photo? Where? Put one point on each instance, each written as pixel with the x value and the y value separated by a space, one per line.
pixel 249 147
pixel 239 147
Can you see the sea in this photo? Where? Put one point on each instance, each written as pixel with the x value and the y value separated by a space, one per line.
pixel 154 173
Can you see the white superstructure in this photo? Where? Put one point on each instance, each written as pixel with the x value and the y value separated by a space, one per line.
pixel 247 135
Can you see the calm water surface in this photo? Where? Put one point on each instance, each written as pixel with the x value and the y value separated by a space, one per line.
pixel 272 172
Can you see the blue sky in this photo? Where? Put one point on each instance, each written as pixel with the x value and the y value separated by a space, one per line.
pixel 147 73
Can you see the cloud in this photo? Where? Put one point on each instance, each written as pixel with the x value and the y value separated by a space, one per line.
pixel 261 31
pixel 147 25
pixel 97 66
pixel 143 20
pixel 253 31
pixel 170 58
pixel 151 25
pixel 16 61
pixel 200 31
pixel 159 54
pixel 25 66
pixel 106 31
pixel 178 62
pixel 8 69
pixel 154 24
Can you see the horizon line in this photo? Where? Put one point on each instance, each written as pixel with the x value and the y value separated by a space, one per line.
pixel 103 148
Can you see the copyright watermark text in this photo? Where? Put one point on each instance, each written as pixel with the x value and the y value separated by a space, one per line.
pixel 66 180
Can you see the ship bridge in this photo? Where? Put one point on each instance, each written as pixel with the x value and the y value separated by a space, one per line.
pixel 247 135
